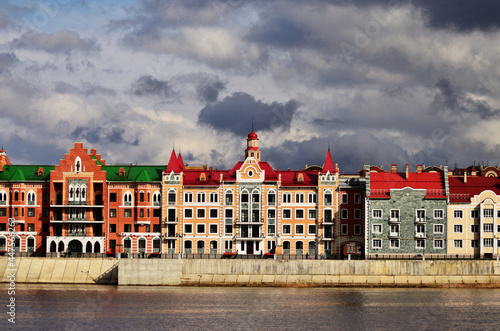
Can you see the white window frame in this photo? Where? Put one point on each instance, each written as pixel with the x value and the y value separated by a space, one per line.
pixel 214 197
pixel 210 230
pixel 376 212
pixel 286 210
pixel 309 214
pixel 458 228
pixel 488 227
pixel 210 213
pixel 488 213
pixel 438 214
pixel 192 213
pixel 204 228
pixel 299 197
pixel 204 213
pixel 200 197
pixel 436 230
pixel 458 243
pixel 303 230
pixel 374 226
pixel 394 241
pixel 345 198
pixel 283 229
pixel 188 197
pixel 378 241
pixel 312 198
pixel 440 246
pixel 417 241
pixel 192 228
pixel 303 214
pixel 458 213
pixel 287 197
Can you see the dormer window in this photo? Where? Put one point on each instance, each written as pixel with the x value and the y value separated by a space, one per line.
pixel 203 177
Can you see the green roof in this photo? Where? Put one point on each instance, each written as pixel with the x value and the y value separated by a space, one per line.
pixel 134 173
pixel 23 173
pixel 98 162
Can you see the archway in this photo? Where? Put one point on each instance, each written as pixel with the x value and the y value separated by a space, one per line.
pixel 61 246
pixel 142 245
pixel 213 247
pixel 97 248
pixel 17 244
pixel 286 248
pixel 200 247
pixel 75 246
pixel 88 249
pixel 53 247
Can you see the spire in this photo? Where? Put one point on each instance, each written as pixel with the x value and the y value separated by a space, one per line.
pixel 173 163
pixel 328 165
pixel 180 161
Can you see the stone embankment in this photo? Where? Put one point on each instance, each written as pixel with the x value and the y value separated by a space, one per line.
pixel 199 272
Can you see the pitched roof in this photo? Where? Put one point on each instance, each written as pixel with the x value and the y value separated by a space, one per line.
pixel 328 165
pixel 173 163
pixel 381 184
pixel 462 191
pixel 19 173
pixel 134 173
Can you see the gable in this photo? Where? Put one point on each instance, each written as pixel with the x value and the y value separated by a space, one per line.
pixel 250 171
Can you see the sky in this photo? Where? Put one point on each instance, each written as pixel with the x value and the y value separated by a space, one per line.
pixel 379 82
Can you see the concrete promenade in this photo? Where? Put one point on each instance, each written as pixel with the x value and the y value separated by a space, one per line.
pixel 221 272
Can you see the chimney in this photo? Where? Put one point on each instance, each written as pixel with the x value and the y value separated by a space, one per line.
pixel 419 168
pixel 406 170
pixel 394 168
pixel 473 173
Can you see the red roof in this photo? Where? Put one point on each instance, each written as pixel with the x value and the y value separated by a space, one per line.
pixel 252 135
pixel 173 164
pixel 180 162
pixel 382 182
pixel 462 192
pixel 328 165
pixel 291 178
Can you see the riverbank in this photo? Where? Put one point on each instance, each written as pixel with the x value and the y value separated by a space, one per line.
pixel 299 273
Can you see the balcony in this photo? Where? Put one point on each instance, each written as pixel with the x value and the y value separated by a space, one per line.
pixel 327 221
pixel 156 204
pixel 420 235
pixel 394 220
pixel 171 220
pixel 255 206
pixel 247 236
pixel 420 219
pixel 84 203
pixel 394 234
pixel 77 234
pixel 271 221
pixel 228 221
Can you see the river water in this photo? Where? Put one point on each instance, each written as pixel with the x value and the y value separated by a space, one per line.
pixel 93 307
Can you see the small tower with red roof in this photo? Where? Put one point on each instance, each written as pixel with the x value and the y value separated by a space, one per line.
pixel 4 160
pixel 253 146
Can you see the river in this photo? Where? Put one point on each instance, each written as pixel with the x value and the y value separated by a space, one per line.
pixel 93 307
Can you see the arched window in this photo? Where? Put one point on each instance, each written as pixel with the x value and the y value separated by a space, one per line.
pixel 200 247
pixel 172 197
pixel 286 248
pixel 127 245
pixel 127 199
pixel 156 198
pixel 213 247
pixel 78 164
pixel 312 248
pixel 244 196
pixel 229 197
pixel 188 247
pixel 299 248
pixel 142 245
pixel 31 198
pixel 271 198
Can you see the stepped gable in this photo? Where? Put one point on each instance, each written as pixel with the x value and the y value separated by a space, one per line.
pixel 463 189
pixel 381 183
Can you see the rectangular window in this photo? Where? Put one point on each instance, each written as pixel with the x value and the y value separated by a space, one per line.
pixel 213 229
pixel 31 212
pixel 395 215
pixel 345 198
pixel 31 227
pixel 299 213
pixel 376 243
pixel 328 199
pixel 287 198
pixel 357 229
pixel 188 228
pixel 271 229
pixel 438 214
pixel 229 213
pixel 200 197
pixel 357 198
pixel 16 212
pixel 420 243
pixel 271 213
pixel 271 198
pixel 188 197
pixel 148 228
pixel 244 197
pixel 3 211
pixel 474 228
pixel 200 228
pixel 345 213
pixel 213 213
pixel 311 214
pixel 112 197
pixel 395 243
pixel 3 227
pixel 200 213
pixel 377 213
pixel 474 243
pixel 474 213
pixel 438 244
pixel 488 227
pixel 214 197
pixel 45 212
pixel 488 212
pixel 299 229
pixel 172 198
pixel 357 214
pixel 311 229
pixel 45 196
pixel 457 214
pixel 141 212
pixel 457 228
pixel 127 212
pixel 287 229
pixel 420 215
pixel 127 228
pixel 156 212
pixel 156 228
pixel 311 198
pixel 488 242
pixel 229 198
pixel 343 229
pixel 438 228
pixel 228 245
pixel 457 243
pixel 328 216
pixel 377 228
pixel 287 213
pixel 299 197
pixel 188 213
pixel 228 229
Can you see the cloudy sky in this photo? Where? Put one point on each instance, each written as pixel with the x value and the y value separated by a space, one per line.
pixel 381 82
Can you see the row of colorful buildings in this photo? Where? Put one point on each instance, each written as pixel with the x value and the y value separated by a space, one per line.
pixel 84 205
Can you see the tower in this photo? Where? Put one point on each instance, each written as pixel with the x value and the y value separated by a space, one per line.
pixel 253 146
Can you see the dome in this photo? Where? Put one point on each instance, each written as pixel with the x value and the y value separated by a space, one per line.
pixel 252 135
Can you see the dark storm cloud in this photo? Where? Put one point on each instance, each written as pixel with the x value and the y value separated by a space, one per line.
pixel 208 89
pixel 55 42
pixel 103 134
pixel 281 31
pixel 450 98
pixel 235 113
pixel 6 62
pixel 150 86
pixel 4 22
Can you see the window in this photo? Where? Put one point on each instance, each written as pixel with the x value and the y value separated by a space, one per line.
pixel 214 197
pixel 420 229
pixel 311 214
pixel 45 196
pixel 474 213
pixel 188 197
pixel 299 197
pixel 438 228
pixel 299 229
pixel 343 230
pixel 228 229
pixel 287 213
pixel 156 228
pixel 474 228
pixel 156 212
pixel 311 198
pixel 328 215
pixel 45 212
pixel 271 198
pixel 112 228
pixel 127 228
pixel 141 197
pixel 457 243
pixel 376 243
pixel 287 198
pixel 357 214
pixel 488 242
pixel 16 196
pixel 188 228
pixel 299 213
pixel 377 213
pixel 438 213
pixel 287 229
pixel 244 197
pixel 394 214
pixel 31 227
pixel 213 213
pixel 420 215
pixel 457 214
pixel 172 198
pixel 3 212
pixel 200 213
pixel 488 227
pixel 229 198
pixel 420 243
pixel 271 229
pixel 344 198
pixel 328 199
pixel 141 212
pixel 256 197
pixel 474 243
pixel 31 212
pixel 488 212
pixel 357 229
pixel 311 229
pixel 357 198
pixel 395 243
pixel 271 213
pixel 188 213
pixel 200 197
pixel 112 197
pixel 213 229
pixel 457 228
pixel 377 228
pixel 228 245
pixel 395 230
pixel 345 213
pixel 438 244
pixel 200 228
pixel 127 199
pixel 127 212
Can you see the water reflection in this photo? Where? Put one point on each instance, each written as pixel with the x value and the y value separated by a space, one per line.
pixel 69 307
